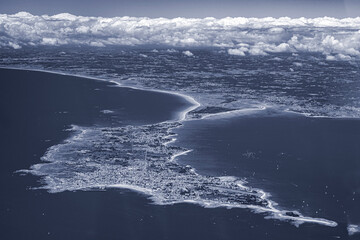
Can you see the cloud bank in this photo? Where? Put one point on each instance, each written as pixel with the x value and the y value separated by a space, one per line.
pixel 337 38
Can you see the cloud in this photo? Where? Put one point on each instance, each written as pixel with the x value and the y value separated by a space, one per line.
pixel 188 53
pixel 236 51
pixel 240 36
pixel 14 45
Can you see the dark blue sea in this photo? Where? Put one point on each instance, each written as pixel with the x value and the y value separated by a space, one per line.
pixel 116 145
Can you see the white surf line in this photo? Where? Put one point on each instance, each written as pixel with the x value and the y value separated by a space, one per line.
pixel 181 118
pixel 280 213
pixel 309 115
pixel 53 72
pixel 130 187
pixel 179 154
pixel 182 114
pixel 233 112
pixel 172 140
pixel 277 214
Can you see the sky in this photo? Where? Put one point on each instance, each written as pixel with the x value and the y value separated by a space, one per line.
pixel 187 8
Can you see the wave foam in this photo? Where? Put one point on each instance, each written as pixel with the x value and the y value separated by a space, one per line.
pixel 353 229
pixel 140 158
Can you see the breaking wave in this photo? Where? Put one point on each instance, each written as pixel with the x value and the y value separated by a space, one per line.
pixel 353 229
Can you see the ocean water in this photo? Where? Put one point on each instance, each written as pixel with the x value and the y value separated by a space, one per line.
pixel 309 164
pixel 262 147
pixel 301 82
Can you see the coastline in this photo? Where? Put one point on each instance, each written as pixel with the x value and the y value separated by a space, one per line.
pixel 285 154
pixel 182 114
pixel 39 118
pixel 278 214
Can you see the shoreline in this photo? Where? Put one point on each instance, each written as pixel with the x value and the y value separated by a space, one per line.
pixel 33 106
pixel 279 214
pixel 182 114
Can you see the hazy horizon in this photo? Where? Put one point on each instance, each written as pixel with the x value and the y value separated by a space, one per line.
pixel 187 8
